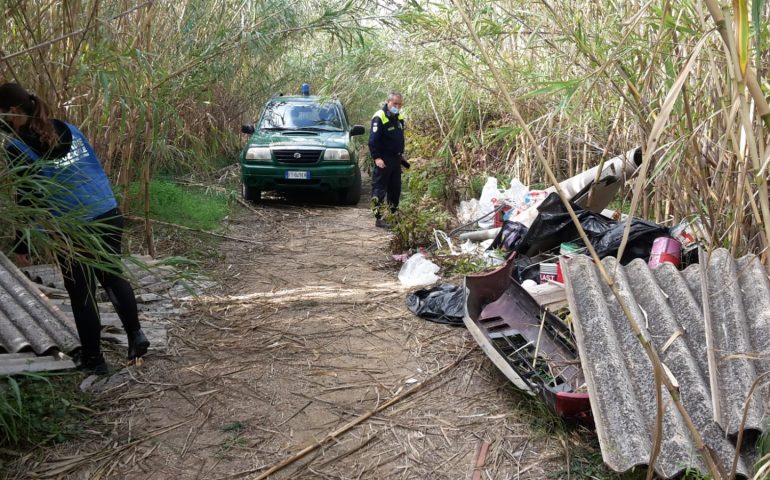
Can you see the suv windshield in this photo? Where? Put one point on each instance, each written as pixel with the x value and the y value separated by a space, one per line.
pixel 300 116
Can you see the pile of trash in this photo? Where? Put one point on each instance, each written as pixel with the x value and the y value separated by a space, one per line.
pixel 552 326
pixel 529 236
pixel 536 227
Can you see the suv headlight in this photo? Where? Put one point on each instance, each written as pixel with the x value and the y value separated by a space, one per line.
pixel 337 154
pixel 258 153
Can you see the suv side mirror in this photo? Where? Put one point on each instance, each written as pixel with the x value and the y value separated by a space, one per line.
pixel 247 129
pixel 357 130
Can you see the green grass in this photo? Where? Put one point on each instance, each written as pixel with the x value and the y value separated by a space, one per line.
pixel 620 205
pixel 461 265
pixel 235 440
pixel 181 205
pixel 40 409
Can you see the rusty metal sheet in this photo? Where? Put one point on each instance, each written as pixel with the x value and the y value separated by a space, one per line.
pixel 667 304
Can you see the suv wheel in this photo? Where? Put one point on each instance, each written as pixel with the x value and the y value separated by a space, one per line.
pixel 352 195
pixel 250 194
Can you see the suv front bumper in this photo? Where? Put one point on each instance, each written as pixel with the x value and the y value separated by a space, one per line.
pixel 321 177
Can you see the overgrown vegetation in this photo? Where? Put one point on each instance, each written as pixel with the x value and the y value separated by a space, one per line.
pixel 169 94
pixel 37 409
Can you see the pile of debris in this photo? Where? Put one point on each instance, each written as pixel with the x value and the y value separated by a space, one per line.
pixel 551 324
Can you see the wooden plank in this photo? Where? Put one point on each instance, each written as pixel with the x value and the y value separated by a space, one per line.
pixel 551 295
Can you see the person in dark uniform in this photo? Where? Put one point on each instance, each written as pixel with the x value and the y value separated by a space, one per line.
pixel 386 145
pixel 57 154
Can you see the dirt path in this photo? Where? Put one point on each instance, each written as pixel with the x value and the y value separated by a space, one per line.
pixel 307 332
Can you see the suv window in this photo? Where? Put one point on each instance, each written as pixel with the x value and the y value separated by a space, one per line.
pixel 301 116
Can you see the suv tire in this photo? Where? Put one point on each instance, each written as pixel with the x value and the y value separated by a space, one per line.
pixel 250 194
pixel 352 195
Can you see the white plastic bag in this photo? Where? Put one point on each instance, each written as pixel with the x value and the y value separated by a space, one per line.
pixel 418 271
pixel 515 194
pixel 468 211
pixel 489 198
pixel 469 247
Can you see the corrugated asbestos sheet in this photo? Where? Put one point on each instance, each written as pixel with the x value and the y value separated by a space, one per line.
pixel 667 305
pixel 27 320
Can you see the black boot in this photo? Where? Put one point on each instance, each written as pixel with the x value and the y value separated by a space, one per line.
pixel 137 344
pixel 91 363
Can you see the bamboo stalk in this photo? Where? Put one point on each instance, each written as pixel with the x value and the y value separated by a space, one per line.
pixel 724 27
pixel 716 404
pixel 605 154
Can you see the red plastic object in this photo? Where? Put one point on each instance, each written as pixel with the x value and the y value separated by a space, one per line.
pixel 572 405
pixel 500 215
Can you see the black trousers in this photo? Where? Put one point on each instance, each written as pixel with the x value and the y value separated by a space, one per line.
pixel 386 184
pixel 80 281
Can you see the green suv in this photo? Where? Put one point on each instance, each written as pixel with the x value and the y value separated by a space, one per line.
pixel 302 142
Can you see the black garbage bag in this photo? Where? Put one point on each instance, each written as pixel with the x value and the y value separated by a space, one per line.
pixel 526 270
pixel 443 304
pixel 640 240
pixel 510 234
pixel 553 226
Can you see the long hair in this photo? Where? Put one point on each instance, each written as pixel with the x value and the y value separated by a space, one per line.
pixel 39 123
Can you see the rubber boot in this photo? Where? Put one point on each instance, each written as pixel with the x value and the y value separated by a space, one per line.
pixel 137 344
pixel 93 364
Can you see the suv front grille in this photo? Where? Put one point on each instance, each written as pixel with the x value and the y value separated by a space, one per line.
pixel 297 156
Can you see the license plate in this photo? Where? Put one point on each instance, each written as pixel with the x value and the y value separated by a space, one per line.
pixel 298 175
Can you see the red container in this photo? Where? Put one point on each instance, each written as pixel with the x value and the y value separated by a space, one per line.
pixel 665 249
pixel 500 216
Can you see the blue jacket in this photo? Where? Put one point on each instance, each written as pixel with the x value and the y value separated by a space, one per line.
pixel 386 138
pixel 82 187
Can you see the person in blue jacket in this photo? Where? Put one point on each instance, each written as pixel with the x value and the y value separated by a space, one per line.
pixel 57 153
pixel 386 145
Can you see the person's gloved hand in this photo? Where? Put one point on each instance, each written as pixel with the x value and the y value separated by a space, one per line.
pixel 404 163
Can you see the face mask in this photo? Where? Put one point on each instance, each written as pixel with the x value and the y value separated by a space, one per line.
pixel 394 110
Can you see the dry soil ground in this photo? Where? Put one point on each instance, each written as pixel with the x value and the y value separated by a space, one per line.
pixel 306 332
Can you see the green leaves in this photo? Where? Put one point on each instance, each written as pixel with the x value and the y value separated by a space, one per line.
pixel 742 33
pixel 566 87
pixel 756 20
pixel 39 408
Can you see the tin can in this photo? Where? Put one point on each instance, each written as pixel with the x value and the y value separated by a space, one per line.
pixel 548 271
pixel 567 250
pixel 665 249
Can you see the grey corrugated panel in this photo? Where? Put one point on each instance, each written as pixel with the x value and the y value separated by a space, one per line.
pixel 28 362
pixel 27 319
pixel 663 301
